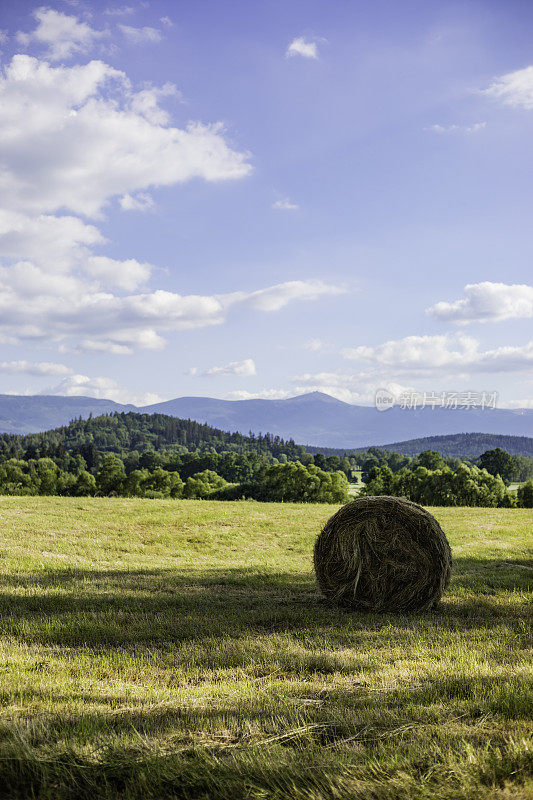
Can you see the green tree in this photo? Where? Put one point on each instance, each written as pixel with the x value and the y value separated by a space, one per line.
pixel 176 485
pixel 525 495
pixel 430 459
pixel 202 484
pixel 320 460
pixel 85 485
pixel 46 474
pixel 524 468
pixel 333 463
pixel 498 462
pixel 367 467
pixel 466 486
pixel 293 482
pixel 134 483
pixel 111 476
pixel 14 479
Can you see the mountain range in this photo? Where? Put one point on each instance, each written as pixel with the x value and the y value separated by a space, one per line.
pixel 311 419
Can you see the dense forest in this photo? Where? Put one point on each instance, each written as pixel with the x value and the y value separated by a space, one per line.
pixel 466 445
pixel 454 445
pixel 156 456
pixel 124 432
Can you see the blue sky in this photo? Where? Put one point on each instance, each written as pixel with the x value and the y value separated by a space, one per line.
pixel 260 199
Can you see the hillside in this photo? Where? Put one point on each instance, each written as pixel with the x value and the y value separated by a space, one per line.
pixel 465 445
pixel 33 413
pixel 458 445
pixel 127 431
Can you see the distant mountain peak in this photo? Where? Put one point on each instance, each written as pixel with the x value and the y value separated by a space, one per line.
pixel 321 396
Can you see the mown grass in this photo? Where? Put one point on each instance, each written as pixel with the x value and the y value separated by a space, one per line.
pixel 166 649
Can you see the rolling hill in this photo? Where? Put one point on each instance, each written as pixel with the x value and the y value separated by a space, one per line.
pixel 465 445
pixel 456 445
pixel 34 413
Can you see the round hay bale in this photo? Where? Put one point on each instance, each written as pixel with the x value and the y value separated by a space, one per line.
pixel 383 554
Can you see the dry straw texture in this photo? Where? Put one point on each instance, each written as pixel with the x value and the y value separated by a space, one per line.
pixel 383 554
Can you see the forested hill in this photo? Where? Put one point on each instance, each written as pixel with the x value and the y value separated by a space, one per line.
pixel 464 445
pixel 456 445
pixel 124 432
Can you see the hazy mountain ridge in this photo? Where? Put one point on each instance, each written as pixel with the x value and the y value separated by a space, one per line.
pixel 312 419
pixel 34 413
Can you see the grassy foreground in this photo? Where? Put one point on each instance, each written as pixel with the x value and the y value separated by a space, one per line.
pixel 167 649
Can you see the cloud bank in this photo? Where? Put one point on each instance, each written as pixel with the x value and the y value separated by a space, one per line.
pixel 73 139
pixel 440 355
pixel 487 302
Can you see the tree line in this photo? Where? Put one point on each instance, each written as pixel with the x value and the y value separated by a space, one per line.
pixel 464 486
pixel 156 456
pixel 281 482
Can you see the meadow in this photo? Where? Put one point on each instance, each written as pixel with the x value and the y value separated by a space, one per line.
pixel 179 649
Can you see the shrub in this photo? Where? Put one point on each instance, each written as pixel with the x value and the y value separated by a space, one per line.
pixel 524 495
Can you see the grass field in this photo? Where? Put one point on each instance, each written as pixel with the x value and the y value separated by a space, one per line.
pixel 166 649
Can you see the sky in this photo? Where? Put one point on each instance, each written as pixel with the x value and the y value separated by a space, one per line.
pixel 237 200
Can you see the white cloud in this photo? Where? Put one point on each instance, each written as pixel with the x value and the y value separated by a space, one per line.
pixel 285 205
pixel 167 21
pixel 127 275
pixel 146 102
pixel 244 368
pixel 514 88
pixel 67 144
pixel 142 201
pixel 444 355
pixel 35 367
pixel 276 297
pixel 266 394
pixel 73 138
pixel 58 243
pixel 120 11
pixel 65 308
pixel 95 345
pixel 526 402
pixel 3 37
pixel 314 345
pixel 124 341
pixel 101 388
pixel 417 352
pixel 359 388
pixel 63 35
pixel 302 47
pixel 468 129
pixel 487 302
pixel 506 359
pixel 141 35
pixel 477 126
